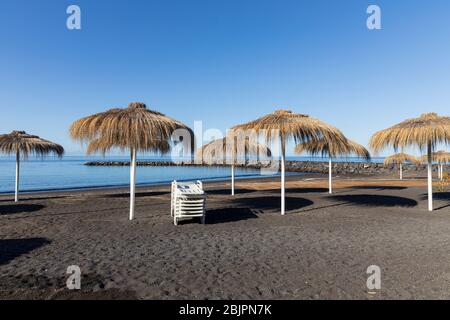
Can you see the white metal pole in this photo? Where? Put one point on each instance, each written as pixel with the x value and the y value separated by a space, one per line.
pixel 132 182
pixel 232 179
pixel 401 171
pixel 330 176
pixel 16 197
pixel 283 159
pixel 441 171
pixel 430 179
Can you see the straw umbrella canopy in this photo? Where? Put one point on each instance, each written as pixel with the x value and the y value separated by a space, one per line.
pixel 426 132
pixel 286 125
pixel 441 157
pixel 19 143
pixel 228 150
pixel 400 159
pixel 438 156
pixel 333 150
pixel 135 128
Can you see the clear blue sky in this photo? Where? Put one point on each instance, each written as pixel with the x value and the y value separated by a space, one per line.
pixel 223 61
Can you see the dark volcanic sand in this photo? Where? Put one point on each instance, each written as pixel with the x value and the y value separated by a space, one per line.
pixel 320 250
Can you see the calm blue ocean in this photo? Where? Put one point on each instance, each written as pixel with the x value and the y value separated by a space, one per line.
pixel 71 173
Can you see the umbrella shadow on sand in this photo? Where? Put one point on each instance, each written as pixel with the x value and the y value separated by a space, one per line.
pixel 439 196
pixel 379 188
pixel 13 248
pixel 272 203
pixel 224 215
pixel 20 208
pixel 370 200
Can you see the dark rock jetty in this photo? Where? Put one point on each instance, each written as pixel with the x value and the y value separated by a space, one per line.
pixel 291 166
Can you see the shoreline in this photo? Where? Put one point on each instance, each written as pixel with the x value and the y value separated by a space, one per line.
pixel 302 180
pixel 149 185
pixel 297 168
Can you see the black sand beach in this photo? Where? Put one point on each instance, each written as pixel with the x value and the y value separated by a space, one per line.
pixel 320 250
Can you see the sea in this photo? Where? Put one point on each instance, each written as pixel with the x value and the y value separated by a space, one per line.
pixel 70 172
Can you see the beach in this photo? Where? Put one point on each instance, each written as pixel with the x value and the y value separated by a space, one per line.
pixel 320 249
pixel 224 150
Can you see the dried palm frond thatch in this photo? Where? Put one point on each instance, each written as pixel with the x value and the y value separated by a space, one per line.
pixel 101 146
pixel 438 156
pixel 332 150
pixel 135 128
pixel 286 125
pixel 230 150
pixel 426 132
pixel 400 159
pixel 27 144
pixel 339 148
pixel 429 129
pixel 19 143
pixel 442 158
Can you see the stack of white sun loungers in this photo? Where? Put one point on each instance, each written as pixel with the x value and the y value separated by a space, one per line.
pixel 188 201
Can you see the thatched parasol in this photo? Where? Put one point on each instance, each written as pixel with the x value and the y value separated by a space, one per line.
pixel 135 128
pixel 333 150
pixel 426 132
pixel 19 143
pixel 400 159
pixel 229 150
pixel 286 125
pixel 441 157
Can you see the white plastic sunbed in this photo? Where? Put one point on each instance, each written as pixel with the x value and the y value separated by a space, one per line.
pixel 188 201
